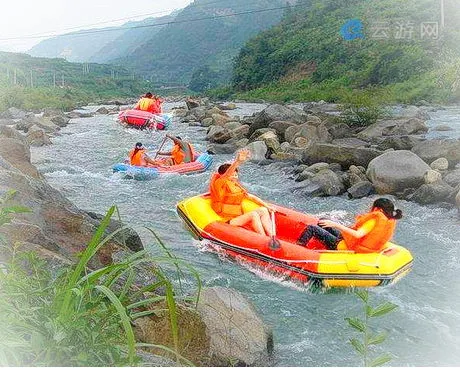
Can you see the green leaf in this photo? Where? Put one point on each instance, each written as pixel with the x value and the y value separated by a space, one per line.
pixel 377 339
pixel 356 323
pixel 383 309
pixel 381 360
pixel 125 320
pixel 363 295
pixel 359 346
pixel 16 209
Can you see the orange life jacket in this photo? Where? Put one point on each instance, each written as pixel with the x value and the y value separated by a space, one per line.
pixel 157 106
pixel 137 159
pixel 178 155
pixel 374 240
pixel 146 104
pixel 226 196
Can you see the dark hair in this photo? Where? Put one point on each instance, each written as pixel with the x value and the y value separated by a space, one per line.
pixel 139 144
pixel 223 168
pixel 388 208
pixel 148 95
pixel 178 137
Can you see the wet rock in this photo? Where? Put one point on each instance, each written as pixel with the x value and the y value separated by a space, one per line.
pixel 60 120
pixel 207 122
pixel 340 130
pixel 396 171
pixel 192 103
pixel 442 128
pixel 236 332
pixel 406 142
pixel 254 136
pixel 433 193
pixel 280 127
pixel 393 127
pixel 18 155
pixel 360 190
pixel 350 142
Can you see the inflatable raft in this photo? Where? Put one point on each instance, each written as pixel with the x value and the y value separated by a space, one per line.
pixel 144 120
pixel 202 163
pixel 313 263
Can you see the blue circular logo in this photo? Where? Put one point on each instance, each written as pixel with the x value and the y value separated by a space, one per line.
pixel 352 30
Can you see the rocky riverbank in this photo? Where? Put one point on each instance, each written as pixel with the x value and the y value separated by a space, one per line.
pixel 327 157
pixel 224 329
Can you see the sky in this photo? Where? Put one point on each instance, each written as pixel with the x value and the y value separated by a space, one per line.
pixel 22 19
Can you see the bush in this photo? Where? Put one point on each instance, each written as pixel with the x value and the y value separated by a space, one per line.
pixel 362 109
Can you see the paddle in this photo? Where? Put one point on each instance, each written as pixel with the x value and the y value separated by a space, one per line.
pixel 274 243
pixel 161 146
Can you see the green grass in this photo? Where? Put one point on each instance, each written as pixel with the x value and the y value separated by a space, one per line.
pixel 82 317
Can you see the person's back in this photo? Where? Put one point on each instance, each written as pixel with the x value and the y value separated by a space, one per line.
pixel 146 103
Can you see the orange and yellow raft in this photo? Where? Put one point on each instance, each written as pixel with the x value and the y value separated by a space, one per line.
pixel 312 263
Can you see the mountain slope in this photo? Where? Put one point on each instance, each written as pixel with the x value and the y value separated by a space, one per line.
pixel 177 50
pixel 307 46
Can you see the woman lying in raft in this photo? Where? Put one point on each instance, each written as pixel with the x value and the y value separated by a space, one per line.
pixel 227 195
pixel 368 235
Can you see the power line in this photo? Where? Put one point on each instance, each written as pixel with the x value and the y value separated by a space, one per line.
pixel 145 15
pixel 160 24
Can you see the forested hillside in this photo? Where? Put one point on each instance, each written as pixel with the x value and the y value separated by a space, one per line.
pixel 178 50
pixel 31 82
pixel 305 56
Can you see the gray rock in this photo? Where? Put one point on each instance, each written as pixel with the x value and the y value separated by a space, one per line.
pixel 343 155
pixel 102 110
pixel 37 137
pixel 433 193
pixel 232 125
pixel 213 131
pixel 280 127
pixel 350 142
pixel 305 175
pixel 361 190
pixel 227 148
pixel 237 333
pixel 431 150
pixel 432 176
pixel 452 178
pixel 277 113
pixel 13 113
pixel 393 127
pixel 405 142
pixel 207 122
pixel 256 134
pixel 340 130
pixel 325 183
pixel 442 128
pixel 60 120
pixel 441 164
pixel 258 151
pixel 316 168
pixel 393 172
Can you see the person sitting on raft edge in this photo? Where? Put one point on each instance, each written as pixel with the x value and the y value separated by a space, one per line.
pixel 138 156
pixel 227 195
pixel 182 152
pixel 369 234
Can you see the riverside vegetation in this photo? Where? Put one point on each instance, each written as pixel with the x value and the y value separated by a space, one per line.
pixel 76 316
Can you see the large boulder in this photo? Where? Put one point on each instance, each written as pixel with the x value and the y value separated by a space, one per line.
pixel 360 190
pixel 280 127
pixel 431 150
pixel 393 127
pixel 277 113
pixel 324 183
pixel 37 137
pixel 13 113
pixel 412 112
pixel 18 155
pixel 395 171
pixel 452 178
pixel 399 142
pixel 238 336
pixel 433 193
pixel 341 154
pixel 258 151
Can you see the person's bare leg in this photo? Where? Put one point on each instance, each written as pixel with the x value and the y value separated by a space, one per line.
pixel 251 217
pixel 265 220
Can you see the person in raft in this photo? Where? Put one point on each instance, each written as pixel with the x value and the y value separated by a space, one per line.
pixel 227 195
pixel 369 234
pixel 149 103
pixel 138 156
pixel 181 153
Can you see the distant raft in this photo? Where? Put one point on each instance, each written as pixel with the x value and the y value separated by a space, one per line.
pixel 201 164
pixel 144 120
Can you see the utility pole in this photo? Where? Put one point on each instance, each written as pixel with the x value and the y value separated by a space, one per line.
pixel 442 15
pixel 8 74
pixel 31 80
pixel 62 79
pixel 54 79
pixel 15 77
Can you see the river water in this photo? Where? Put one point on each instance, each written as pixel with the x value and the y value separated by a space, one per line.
pixel 309 326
